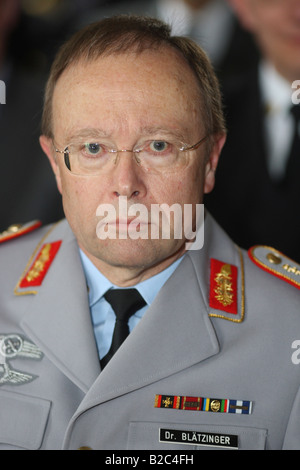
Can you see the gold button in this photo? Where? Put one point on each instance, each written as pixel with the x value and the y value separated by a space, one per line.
pixel 85 448
pixel 274 259
pixel 14 228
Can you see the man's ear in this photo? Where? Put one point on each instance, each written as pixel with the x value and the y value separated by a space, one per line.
pixel 212 162
pixel 47 146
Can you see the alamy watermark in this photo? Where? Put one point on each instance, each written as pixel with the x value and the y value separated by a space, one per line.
pixel 161 221
pixel 296 354
pixel 2 92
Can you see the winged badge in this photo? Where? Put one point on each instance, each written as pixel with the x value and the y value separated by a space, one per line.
pixel 13 346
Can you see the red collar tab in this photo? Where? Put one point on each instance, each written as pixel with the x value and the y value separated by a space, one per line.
pixel 39 268
pixel 223 286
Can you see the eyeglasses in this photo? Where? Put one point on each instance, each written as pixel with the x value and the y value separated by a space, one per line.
pixel 154 156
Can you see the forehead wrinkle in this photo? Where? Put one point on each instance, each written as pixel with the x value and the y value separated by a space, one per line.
pixel 88 133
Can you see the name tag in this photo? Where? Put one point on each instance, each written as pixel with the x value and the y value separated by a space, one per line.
pixel 198 438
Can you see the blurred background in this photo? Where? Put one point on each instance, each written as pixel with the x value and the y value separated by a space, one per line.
pixel 254 202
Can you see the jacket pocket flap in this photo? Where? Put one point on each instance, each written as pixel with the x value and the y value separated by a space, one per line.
pixel 23 420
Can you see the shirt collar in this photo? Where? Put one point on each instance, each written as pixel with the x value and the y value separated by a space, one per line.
pixel 98 284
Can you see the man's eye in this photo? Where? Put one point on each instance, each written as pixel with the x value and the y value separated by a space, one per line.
pixel 158 146
pixel 93 148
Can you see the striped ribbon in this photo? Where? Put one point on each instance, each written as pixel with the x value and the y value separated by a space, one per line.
pixel 216 405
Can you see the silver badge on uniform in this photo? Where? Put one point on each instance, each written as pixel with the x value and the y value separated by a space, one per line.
pixel 14 346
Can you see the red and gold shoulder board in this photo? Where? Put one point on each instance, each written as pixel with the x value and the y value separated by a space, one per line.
pixel 223 286
pixel 17 230
pixel 274 262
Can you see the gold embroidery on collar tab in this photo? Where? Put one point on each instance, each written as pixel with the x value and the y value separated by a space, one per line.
pixel 28 292
pixel 236 320
pixel 39 264
pixel 224 290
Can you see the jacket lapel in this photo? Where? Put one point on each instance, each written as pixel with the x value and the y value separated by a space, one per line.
pixel 58 319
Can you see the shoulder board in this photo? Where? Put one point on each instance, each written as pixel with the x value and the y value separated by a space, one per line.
pixel 17 230
pixel 276 263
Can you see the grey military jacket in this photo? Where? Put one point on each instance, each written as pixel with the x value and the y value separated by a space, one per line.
pixel 213 364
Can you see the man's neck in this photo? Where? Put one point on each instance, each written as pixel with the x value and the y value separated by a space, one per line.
pixel 127 276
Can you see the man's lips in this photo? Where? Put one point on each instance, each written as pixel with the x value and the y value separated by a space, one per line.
pixel 133 223
pixel 129 220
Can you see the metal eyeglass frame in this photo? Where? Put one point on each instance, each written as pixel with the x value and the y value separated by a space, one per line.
pixel 66 152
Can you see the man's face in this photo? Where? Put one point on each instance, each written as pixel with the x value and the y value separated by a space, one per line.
pixel 153 96
pixel 276 25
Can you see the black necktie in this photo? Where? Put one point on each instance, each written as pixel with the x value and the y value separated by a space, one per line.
pixel 125 302
pixel 293 163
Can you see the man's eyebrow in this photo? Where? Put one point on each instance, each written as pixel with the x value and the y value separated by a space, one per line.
pixel 94 133
pixel 178 134
pixel 87 132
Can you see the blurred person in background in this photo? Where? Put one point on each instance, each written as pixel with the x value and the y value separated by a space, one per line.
pixel 24 195
pixel 257 193
pixel 30 33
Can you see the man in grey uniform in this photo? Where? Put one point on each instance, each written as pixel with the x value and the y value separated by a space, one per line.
pixel 133 116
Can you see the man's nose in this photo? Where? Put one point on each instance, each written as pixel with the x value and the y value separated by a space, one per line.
pixel 127 176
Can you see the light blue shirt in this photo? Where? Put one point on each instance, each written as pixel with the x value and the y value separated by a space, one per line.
pixel 103 317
